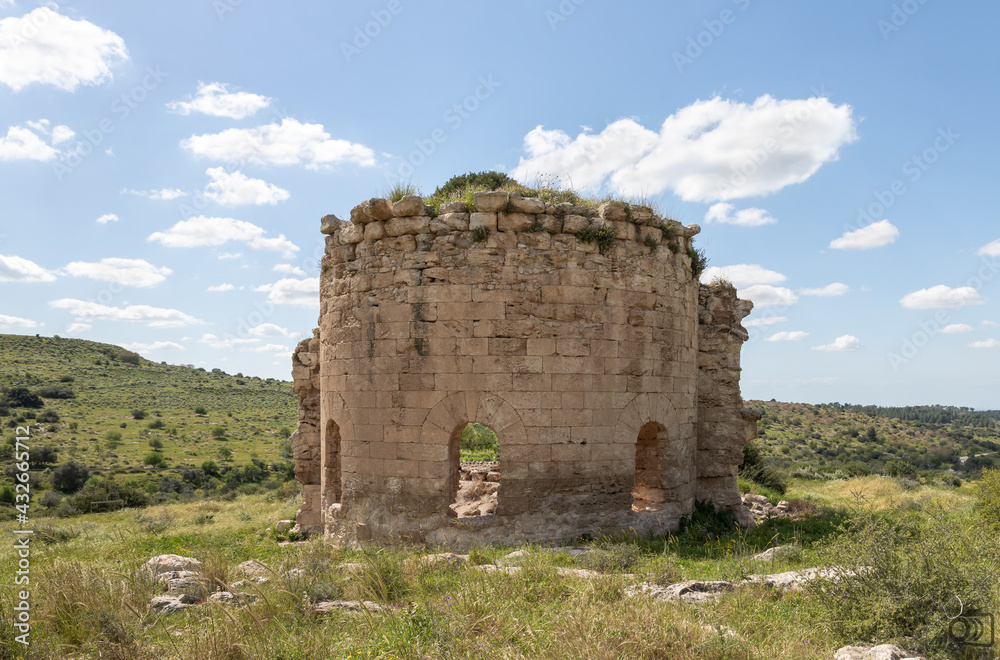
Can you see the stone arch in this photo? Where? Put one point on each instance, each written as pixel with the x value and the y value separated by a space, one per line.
pixel 663 463
pixel 336 432
pixel 441 431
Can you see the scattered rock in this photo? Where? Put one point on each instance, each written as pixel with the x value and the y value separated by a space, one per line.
pixel 252 568
pixel 166 577
pixel 283 526
pixel 724 631
pixel 186 586
pixel 328 606
pixel 880 652
pixel 168 605
pixel 577 572
pixel 449 558
pixel 692 591
pixel 294 574
pixel 761 508
pixel 773 553
pixel 168 563
pixel 795 580
pixel 352 568
pixel 229 598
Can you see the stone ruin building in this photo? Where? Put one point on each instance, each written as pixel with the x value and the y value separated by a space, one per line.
pixel 582 337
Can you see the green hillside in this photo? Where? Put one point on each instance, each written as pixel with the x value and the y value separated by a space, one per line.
pixel 839 440
pixel 110 410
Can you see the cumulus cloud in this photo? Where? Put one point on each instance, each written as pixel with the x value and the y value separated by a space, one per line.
pixel 127 272
pixel 986 343
pixel 743 275
pixel 154 317
pixel 942 297
pixel 218 288
pixel 11 322
pixel 159 194
pixel 287 143
pixel 216 100
pixel 829 291
pixel 237 188
pixel 990 324
pixel 990 249
pixel 155 346
pixel 18 269
pixel 289 291
pixel 844 343
pixel 751 217
pixel 795 335
pixel 956 328
pixel 765 295
pixel 106 218
pixel 270 330
pixel 268 348
pixel 709 151
pixel 48 48
pixel 218 343
pixel 764 322
pixel 874 235
pixel 74 328
pixel 22 143
pixel 201 231
pixel 290 269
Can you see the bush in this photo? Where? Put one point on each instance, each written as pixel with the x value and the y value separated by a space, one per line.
pixel 898 468
pixel 210 468
pixel 479 442
pixel 456 185
pixel 201 410
pixel 156 444
pixel 904 579
pixel 21 397
pixel 44 456
pixel 129 357
pixel 57 392
pixel 48 417
pixel 706 522
pixel 98 489
pixel 154 459
pixel 157 424
pixel 138 414
pixel 69 477
pixel 218 432
pixel 50 498
pixel 988 497
pixel 756 469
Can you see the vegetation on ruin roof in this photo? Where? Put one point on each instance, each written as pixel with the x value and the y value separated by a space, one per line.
pixel 548 188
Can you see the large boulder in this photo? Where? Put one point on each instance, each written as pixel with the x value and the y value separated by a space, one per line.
pixel 169 563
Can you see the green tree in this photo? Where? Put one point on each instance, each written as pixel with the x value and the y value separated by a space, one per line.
pixel 156 444
pixel 154 459
pixel 69 477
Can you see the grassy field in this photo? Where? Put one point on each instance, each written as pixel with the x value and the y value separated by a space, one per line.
pixel 89 602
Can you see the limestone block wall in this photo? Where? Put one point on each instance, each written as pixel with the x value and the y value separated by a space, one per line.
pixel 306 438
pixel 572 333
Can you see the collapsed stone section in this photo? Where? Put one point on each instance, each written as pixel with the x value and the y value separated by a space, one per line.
pixel 572 332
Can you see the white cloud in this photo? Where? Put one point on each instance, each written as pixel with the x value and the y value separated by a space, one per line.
pixel 269 348
pixel 288 291
pixel 215 342
pixel 751 217
pixel 237 188
pixel 956 328
pixel 159 194
pixel 991 324
pixel 709 151
pixel 48 48
pixel 127 272
pixel 106 218
pixel 942 297
pixel 270 330
pixel 765 295
pixel 62 134
pixel 986 343
pixel 764 322
pixel 743 275
pixel 216 100
pixel 155 346
pixel 74 328
pixel 795 335
pixel 290 269
pixel 874 235
pixel 200 230
pixel 22 144
pixel 18 269
pixel 990 249
pixel 8 322
pixel 828 291
pixel 287 143
pixel 154 317
pixel 845 343
pixel 221 287
pixel 230 255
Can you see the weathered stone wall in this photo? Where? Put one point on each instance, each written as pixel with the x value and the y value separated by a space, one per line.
pixel 582 356
pixel 306 438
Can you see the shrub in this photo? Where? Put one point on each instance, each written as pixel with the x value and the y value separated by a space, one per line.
pixel 98 489
pixel 480 234
pixel 603 235
pixel 50 498
pixel 44 456
pixel 154 459
pixel 21 397
pixel 129 357
pixel 491 180
pixel 48 416
pixel 218 432
pixel 699 261
pixel 200 410
pixel 908 579
pixel 756 469
pixel 988 497
pixel 156 444
pixel 898 468
pixel 69 477
pixel 706 522
pixel 157 424
pixel 210 468
pixel 67 379
pixel 56 392
pixel 138 414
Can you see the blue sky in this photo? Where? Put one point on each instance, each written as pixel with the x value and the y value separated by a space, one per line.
pixel 164 166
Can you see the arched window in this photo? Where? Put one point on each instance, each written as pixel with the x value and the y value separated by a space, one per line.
pixel 648 488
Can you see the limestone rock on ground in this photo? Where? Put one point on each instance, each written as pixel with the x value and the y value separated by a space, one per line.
pixel 796 580
pixel 171 604
pixel 230 598
pixel 188 586
pixel 692 591
pixel 328 606
pixel 880 652
pixel 773 553
pixel 252 568
pixel 167 563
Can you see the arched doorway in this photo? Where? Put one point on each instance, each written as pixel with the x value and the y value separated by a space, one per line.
pixel 648 488
pixel 474 474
